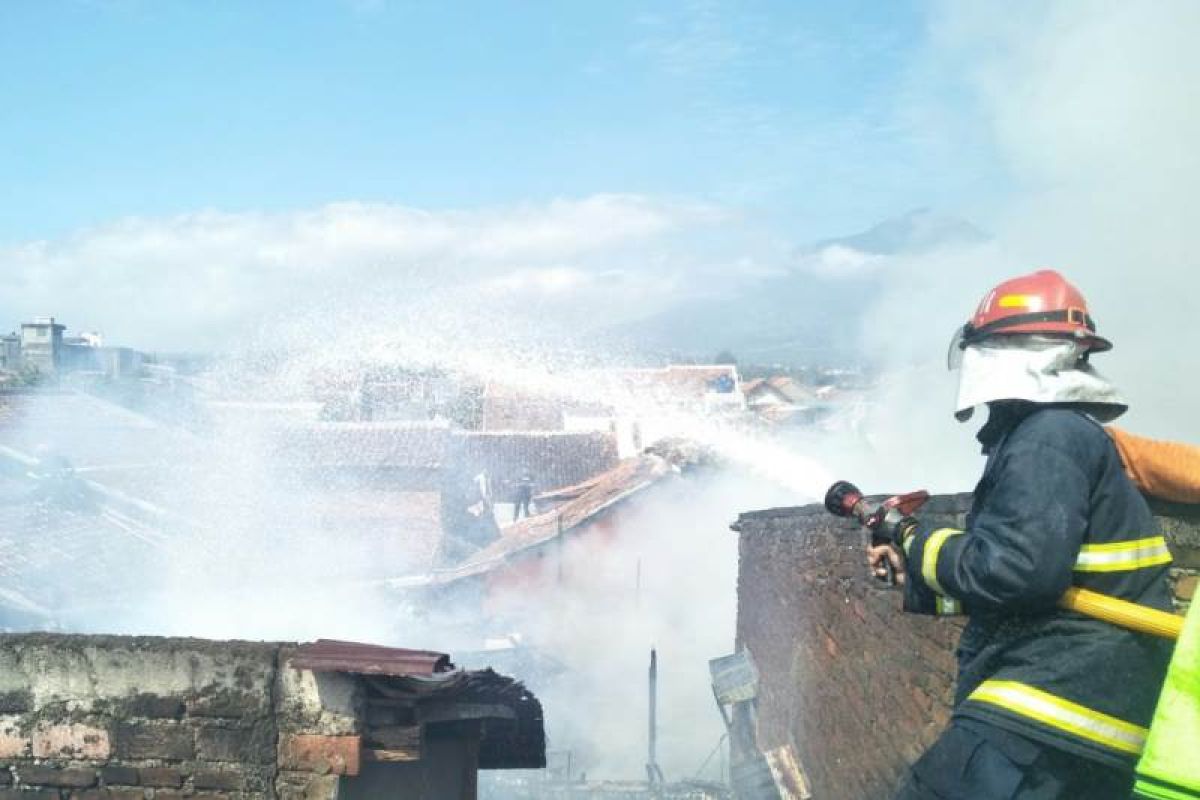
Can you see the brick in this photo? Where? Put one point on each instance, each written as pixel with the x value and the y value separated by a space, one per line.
pixel 41 775
pixel 1185 557
pixel 19 701
pixel 151 740
pixel 166 777
pixel 338 755
pixel 72 741
pixel 36 794
pixel 119 776
pixel 256 744
pixel 109 794
pixel 218 779
pixel 154 706
pixel 324 787
pixel 1185 587
pixel 12 743
pixel 821 632
pixel 229 704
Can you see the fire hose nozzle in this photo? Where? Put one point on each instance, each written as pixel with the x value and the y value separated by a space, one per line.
pixel 844 499
pixel 841 499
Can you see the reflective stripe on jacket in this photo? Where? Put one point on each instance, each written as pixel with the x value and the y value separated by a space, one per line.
pixel 1053 509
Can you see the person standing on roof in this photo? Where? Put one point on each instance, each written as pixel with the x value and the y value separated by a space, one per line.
pixel 1049 703
pixel 523 496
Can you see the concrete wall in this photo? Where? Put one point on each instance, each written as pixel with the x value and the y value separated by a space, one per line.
pixel 41 345
pixel 10 353
pixel 129 717
pixel 859 687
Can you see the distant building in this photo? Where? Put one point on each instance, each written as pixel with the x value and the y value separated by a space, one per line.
pixel 120 362
pixel 780 400
pixel 10 352
pixel 80 354
pixel 42 344
pixel 638 406
pixel 512 408
pixel 653 404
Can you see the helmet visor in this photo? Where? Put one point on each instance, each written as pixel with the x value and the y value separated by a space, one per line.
pixel 954 353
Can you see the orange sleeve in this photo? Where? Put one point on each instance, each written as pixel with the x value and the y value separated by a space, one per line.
pixel 1167 470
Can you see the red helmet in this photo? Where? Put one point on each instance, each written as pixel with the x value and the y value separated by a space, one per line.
pixel 1042 302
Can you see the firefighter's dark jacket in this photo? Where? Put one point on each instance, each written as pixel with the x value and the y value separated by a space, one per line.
pixel 1053 509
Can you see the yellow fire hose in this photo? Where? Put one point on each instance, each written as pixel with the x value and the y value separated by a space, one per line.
pixel 1123 613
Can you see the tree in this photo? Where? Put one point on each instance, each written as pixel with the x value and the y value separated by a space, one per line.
pixel 726 357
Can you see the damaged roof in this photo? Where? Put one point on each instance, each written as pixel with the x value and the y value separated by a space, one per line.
pixel 782 386
pixel 59 554
pixel 585 502
pixel 130 488
pixel 439 694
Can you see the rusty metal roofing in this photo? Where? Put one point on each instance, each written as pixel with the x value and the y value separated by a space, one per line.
pixel 329 655
pixel 515 736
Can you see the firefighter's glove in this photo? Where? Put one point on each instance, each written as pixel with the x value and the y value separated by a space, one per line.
pixel 887 563
pixel 893 528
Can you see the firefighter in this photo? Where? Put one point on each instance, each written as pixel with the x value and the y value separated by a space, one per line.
pixel 1048 703
pixel 523 495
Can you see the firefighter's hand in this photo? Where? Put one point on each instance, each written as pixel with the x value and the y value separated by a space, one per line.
pixel 879 554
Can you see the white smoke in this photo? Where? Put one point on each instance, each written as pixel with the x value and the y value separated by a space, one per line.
pixel 1090 107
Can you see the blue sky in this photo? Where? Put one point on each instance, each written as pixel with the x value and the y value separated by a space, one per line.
pixel 807 117
pixel 173 173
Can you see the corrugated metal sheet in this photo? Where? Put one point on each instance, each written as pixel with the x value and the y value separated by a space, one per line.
pixel 329 655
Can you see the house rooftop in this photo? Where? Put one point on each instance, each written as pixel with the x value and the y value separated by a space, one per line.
pixel 583 503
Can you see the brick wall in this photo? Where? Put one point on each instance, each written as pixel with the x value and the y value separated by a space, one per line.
pixel 860 688
pixel 149 718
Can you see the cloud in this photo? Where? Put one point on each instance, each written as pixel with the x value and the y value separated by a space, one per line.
pixel 205 279
pixel 840 261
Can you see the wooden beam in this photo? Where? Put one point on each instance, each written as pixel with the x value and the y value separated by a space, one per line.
pixel 454 712
pixel 390 756
pixel 394 737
